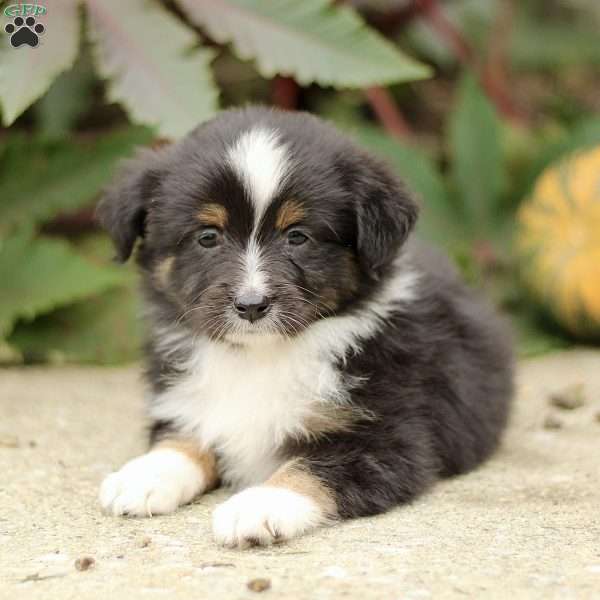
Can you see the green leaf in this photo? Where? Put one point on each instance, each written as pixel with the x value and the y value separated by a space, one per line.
pixel 472 18
pixel 438 220
pixel 43 274
pixel 538 44
pixel 68 98
pixel 310 40
pixel 39 179
pixel 476 156
pixel 9 355
pixel 146 55
pixel 534 336
pixel 26 73
pixel 104 330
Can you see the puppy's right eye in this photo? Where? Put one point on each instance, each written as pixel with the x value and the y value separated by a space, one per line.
pixel 209 237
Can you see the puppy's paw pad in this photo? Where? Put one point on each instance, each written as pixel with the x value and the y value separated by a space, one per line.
pixel 263 515
pixel 153 484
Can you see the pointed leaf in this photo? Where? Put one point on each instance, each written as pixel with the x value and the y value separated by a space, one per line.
pixel 103 329
pixel 311 40
pixel 26 73
pixel 60 176
pixel 476 156
pixel 146 55
pixel 67 100
pixel 43 274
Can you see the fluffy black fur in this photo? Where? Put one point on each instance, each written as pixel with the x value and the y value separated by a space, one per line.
pixel 440 383
pixel 437 378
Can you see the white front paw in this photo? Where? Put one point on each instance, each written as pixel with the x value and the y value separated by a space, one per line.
pixel 263 515
pixel 152 484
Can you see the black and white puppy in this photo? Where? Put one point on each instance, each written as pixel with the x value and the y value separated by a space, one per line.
pixel 300 349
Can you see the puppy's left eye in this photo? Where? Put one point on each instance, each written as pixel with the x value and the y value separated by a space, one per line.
pixel 209 237
pixel 296 238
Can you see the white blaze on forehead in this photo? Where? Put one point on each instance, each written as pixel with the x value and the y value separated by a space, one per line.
pixel 254 277
pixel 261 162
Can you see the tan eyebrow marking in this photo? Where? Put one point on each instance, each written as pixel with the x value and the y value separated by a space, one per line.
pixel 289 213
pixel 213 214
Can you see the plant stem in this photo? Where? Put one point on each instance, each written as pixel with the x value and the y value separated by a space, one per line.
pixel 285 93
pixel 73 224
pixel 387 112
pixel 439 22
pixel 496 74
pixel 396 18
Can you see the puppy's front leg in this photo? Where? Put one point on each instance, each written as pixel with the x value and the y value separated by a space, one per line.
pixel 290 503
pixel 173 473
pixel 338 477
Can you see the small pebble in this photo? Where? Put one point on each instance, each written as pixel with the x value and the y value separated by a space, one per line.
pixel 551 422
pixel 570 398
pixel 84 563
pixel 259 585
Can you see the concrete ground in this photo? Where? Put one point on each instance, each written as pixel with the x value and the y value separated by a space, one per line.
pixel 526 525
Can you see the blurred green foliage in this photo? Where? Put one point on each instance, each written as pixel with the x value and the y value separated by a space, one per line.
pixel 482 130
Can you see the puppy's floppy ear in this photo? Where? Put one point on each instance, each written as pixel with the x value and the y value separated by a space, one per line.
pixel 386 213
pixel 123 207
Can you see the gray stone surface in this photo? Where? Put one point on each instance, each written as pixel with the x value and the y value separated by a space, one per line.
pixel 526 525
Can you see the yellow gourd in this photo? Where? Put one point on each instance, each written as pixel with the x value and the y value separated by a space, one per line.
pixel 558 240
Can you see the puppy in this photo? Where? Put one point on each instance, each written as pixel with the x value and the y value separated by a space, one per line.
pixel 300 348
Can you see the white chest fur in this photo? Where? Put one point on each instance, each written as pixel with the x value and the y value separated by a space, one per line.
pixel 246 401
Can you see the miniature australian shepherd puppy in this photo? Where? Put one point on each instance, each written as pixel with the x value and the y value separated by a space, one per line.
pixel 301 348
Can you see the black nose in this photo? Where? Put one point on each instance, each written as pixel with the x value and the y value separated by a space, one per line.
pixel 252 307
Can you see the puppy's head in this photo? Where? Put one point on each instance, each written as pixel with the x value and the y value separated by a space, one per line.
pixel 258 223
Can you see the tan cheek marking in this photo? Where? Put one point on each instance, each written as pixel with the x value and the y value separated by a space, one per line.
pixel 332 297
pixel 205 459
pixel 289 213
pixel 162 271
pixel 295 476
pixel 214 215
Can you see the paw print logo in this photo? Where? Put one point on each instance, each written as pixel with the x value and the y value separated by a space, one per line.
pixel 24 31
